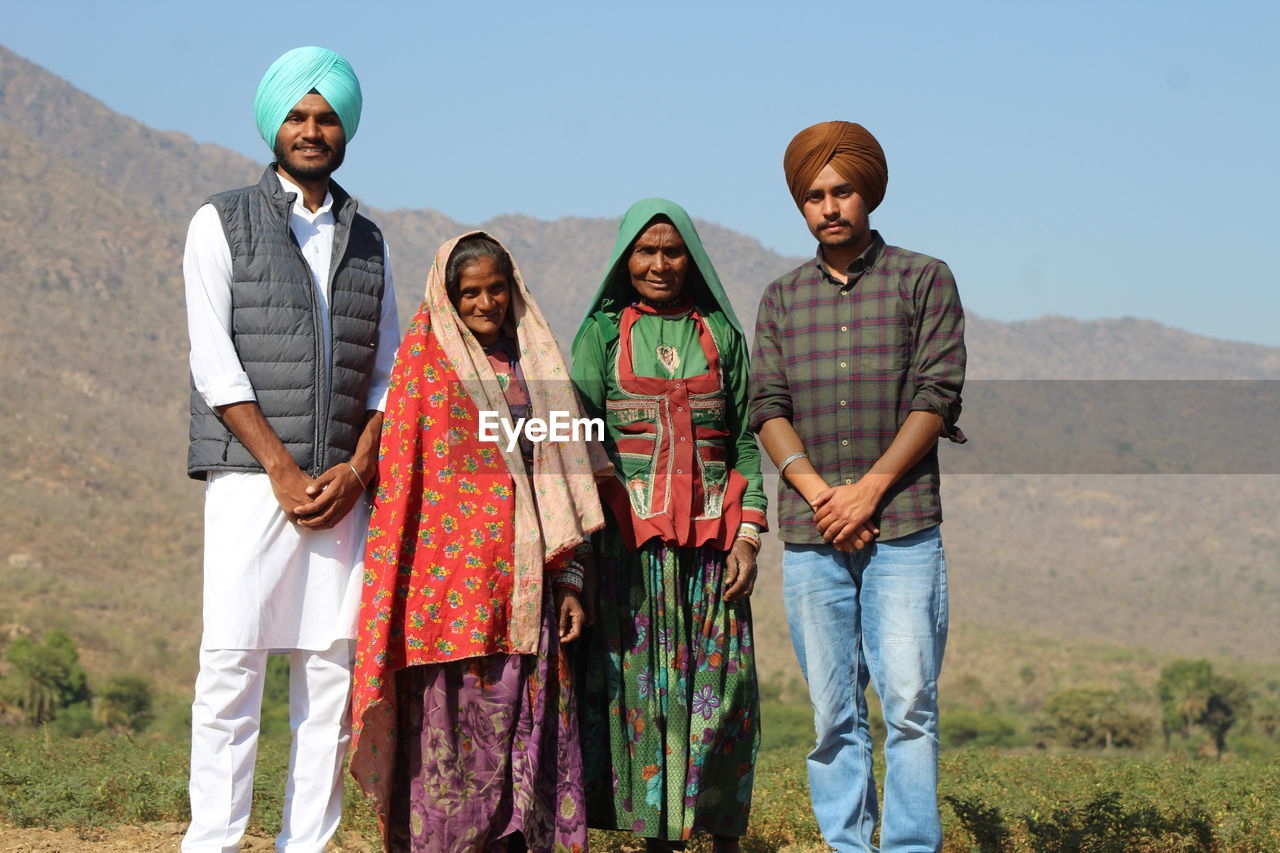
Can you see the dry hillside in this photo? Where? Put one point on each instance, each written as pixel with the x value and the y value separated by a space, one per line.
pixel 102 531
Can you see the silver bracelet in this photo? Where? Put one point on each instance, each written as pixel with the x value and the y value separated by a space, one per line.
pixel 359 479
pixel 792 458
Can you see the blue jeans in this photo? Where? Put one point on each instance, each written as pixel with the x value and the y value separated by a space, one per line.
pixel 878 615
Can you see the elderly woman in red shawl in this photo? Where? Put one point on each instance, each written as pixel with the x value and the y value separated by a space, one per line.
pixel 465 733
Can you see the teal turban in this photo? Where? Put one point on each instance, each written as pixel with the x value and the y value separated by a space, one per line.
pixel 294 75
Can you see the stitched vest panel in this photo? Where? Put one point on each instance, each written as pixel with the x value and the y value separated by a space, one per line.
pixel 276 328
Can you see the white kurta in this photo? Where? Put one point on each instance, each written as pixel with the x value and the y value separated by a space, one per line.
pixel 269 584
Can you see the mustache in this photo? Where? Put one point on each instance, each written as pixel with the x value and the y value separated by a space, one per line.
pixel 835 224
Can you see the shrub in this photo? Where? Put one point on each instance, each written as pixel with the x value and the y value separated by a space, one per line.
pixel 44 677
pixel 1085 717
pixel 125 703
pixel 75 721
pixel 964 727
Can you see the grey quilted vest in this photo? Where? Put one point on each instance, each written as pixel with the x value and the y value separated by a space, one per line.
pixel 276 328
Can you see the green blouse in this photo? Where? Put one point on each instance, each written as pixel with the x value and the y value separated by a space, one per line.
pixel 687 465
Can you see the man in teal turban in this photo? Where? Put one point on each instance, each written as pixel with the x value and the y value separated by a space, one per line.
pixel 301 71
pixel 307 110
pixel 293 327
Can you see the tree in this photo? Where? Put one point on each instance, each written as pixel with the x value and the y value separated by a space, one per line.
pixel 1228 704
pixel 1184 689
pixel 1266 717
pixel 45 677
pixel 1091 717
pixel 125 703
pixel 1191 696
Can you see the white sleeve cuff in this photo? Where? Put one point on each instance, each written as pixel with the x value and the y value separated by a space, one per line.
pixel 377 399
pixel 227 389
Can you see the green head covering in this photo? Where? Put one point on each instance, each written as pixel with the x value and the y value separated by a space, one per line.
pixel 597 337
pixel 702 283
pixel 294 75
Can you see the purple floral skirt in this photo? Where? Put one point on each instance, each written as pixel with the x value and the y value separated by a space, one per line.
pixel 488 747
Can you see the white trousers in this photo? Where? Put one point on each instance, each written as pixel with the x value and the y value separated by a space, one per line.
pixel 224 746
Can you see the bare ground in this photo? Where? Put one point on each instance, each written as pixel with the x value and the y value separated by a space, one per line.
pixel 157 837
pixel 151 838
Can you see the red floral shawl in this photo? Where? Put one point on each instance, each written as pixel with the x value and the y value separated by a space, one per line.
pixel 460 534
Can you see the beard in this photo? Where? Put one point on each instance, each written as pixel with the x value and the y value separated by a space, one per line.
pixel 310 171
pixel 838 242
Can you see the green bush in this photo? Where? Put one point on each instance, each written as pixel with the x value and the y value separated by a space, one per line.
pixel 75 721
pixel 990 801
pixel 963 727
pixel 125 703
pixel 44 677
pixel 1095 718
pixel 1080 803
pixel 92 781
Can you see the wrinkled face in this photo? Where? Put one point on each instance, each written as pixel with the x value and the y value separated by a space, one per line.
pixel 835 212
pixel 659 263
pixel 311 143
pixel 484 295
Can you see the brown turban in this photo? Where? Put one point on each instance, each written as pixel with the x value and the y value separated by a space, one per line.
pixel 849 147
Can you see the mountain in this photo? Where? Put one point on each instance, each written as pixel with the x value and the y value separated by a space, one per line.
pixel 102 532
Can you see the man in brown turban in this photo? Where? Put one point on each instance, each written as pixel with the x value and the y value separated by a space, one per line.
pixel 848 148
pixel 857 368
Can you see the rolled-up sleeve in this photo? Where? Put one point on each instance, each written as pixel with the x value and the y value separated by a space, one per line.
pixel 939 359
pixel 770 396
pixel 384 358
pixel 216 370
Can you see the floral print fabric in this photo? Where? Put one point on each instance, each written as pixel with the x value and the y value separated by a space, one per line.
pixel 671 710
pixel 462 545
pixel 439 572
pixel 489 747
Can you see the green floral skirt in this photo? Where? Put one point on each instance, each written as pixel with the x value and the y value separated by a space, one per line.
pixel 671 712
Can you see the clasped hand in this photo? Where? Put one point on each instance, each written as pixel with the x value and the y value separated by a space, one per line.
pixel 320 503
pixel 843 515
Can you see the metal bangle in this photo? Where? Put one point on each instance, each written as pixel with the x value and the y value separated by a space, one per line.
pixel 792 458
pixel 359 479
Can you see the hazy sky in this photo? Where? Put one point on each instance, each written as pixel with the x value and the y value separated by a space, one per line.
pixel 1087 159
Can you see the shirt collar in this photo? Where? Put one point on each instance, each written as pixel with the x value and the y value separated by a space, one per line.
pixel 861 265
pixel 299 208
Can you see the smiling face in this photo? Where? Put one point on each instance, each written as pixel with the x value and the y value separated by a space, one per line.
pixel 659 263
pixel 310 143
pixel 484 294
pixel 836 214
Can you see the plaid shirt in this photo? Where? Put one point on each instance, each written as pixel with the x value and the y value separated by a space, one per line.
pixel 846 363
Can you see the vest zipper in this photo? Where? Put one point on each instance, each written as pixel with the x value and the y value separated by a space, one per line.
pixel 341 237
pixel 317 452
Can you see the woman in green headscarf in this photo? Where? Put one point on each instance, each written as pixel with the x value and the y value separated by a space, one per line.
pixel 671 711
